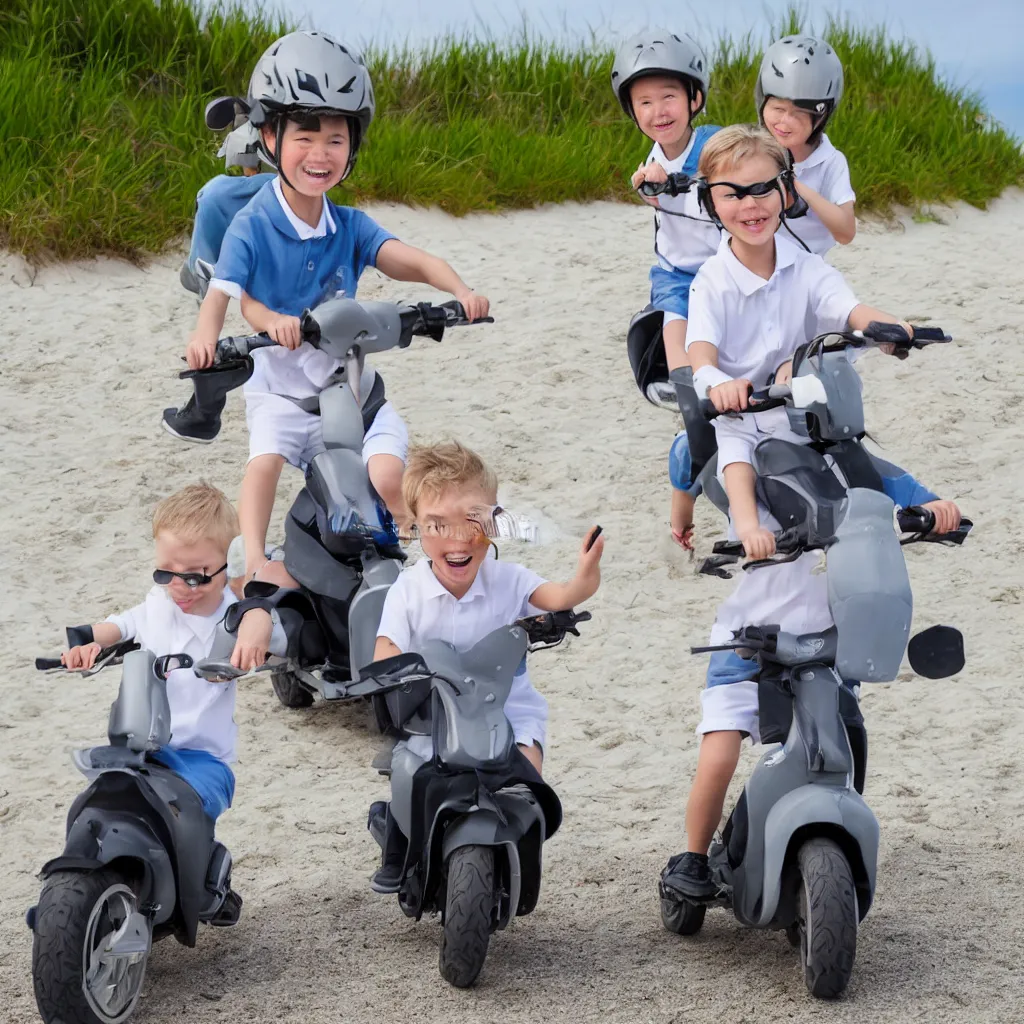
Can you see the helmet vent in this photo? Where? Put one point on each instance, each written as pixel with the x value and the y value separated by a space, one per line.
pixel 778 73
pixel 308 83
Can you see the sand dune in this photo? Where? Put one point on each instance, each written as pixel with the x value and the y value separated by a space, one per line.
pixel 89 354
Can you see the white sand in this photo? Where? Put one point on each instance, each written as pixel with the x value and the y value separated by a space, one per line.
pixel 89 353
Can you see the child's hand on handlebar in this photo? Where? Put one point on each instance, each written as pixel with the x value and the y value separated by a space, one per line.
pixel 891 350
pixel 200 352
pixel 757 542
pixel 947 515
pixel 648 172
pixel 81 657
pixel 285 330
pixel 731 395
pixel 475 305
pixel 252 639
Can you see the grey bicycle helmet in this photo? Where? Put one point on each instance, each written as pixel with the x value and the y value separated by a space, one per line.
pixel 310 74
pixel 804 70
pixel 660 52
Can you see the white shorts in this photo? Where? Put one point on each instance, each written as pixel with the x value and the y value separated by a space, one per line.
pixel 278 426
pixel 738 436
pixel 730 707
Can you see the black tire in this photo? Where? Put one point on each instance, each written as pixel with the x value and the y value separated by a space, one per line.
pixel 290 692
pixel 468 915
pixel 68 926
pixel 682 917
pixel 828 918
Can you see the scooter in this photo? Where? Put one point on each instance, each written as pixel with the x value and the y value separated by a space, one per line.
pixel 340 544
pixel 799 850
pixel 140 860
pixel 468 810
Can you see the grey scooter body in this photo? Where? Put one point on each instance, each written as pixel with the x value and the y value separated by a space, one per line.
pixel 144 823
pixel 807 790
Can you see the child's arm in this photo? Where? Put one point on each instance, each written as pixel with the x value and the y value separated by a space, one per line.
pixel 203 343
pixel 384 648
pixel 284 329
pixel 725 393
pixel 556 597
pixel 406 263
pixel 839 219
pixel 861 316
pixel 905 491
pixel 740 484
pixel 104 634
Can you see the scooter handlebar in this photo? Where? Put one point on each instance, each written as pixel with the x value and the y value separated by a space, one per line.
pixel 676 184
pixel 760 401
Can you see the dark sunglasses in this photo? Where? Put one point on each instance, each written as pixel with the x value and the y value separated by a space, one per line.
pixel 758 190
pixel 190 579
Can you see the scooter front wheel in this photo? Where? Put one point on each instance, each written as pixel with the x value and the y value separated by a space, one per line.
pixel 828 918
pixel 468 915
pixel 290 692
pixel 89 949
pixel 682 917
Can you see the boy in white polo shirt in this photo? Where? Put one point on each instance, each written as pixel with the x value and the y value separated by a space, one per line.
pixel 290 249
pixel 459 593
pixel 797 91
pixel 751 306
pixel 191 532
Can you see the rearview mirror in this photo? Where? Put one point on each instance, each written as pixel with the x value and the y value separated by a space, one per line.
pixel 220 113
pixel 937 652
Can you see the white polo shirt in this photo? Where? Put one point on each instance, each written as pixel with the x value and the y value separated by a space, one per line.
pixel 418 608
pixel 202 713
pixel 827 172
pixel 683 243
pixel 758 324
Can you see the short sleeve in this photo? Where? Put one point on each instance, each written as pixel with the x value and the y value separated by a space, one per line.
pixel 706 321
pixel 369 237
pixel 128 622
pixel 837 187
pixel 832 300
pixel 523 583
pixel 235 264
pixel 394 619
pixel 736 436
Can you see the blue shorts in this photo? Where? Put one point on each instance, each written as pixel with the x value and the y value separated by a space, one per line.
pixel 680 467
pixel 209 776
pixel 670 290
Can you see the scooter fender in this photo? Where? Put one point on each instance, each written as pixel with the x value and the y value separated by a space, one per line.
pixel 839 814
pixel 483 828
pixel 98 837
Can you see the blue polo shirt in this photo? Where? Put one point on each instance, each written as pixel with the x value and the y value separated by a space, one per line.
pixel 264 255
pixel 216 205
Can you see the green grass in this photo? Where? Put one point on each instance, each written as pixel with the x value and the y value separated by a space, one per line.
pixel 104 148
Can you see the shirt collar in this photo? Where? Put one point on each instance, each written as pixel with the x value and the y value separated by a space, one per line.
pixel 432 586
pixel 821 153
pixel 747 280
pixel 659 154
pixel 299 226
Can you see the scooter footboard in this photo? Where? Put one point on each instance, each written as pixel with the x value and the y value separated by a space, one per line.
pixel 838 814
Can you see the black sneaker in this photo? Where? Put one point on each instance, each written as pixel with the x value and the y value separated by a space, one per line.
pixel 688 876
pixel 190 423
pixel 389 876
pixel 230 911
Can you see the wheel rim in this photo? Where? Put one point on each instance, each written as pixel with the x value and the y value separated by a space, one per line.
pixel 116 948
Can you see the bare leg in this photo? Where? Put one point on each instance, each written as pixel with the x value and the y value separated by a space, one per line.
pixel 674 335
pixel 716 763
pixel 255 503
pixel 386 476
pixel 534 755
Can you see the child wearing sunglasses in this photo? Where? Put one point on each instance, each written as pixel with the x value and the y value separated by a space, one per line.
pixel 751 305
pixel 192 531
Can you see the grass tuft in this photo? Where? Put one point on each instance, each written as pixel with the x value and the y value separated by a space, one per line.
pixel 104 147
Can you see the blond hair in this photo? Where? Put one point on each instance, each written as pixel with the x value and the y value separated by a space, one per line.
pixel 737 143
pixel 195 513
pixel 436 468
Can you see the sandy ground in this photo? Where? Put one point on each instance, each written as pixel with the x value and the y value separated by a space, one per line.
pixel 89 353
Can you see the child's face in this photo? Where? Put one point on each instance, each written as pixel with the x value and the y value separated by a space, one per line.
pixel 662 109
pixel 313 162
pixel 451 538
pixel 751 219
pixel 202 556
pixel 787 122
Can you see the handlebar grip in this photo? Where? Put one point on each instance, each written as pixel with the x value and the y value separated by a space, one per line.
pixel 728 547
pixel 915 519
pixel 45 664
pixel 649 188
pixel 931 334
pixel 238 348
pixel 757 404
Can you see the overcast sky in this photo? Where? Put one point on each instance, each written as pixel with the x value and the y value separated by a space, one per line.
pixel 977 43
